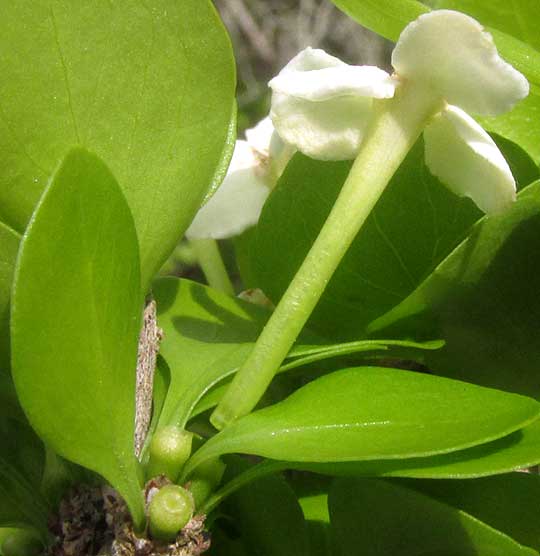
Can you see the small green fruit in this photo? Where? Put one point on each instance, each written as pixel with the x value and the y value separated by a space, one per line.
pixel 169 511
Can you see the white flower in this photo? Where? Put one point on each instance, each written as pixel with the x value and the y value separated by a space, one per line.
pixel 323 106
pixel 254 169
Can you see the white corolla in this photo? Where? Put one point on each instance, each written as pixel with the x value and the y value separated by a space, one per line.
pixel 255 167
pixel 323 107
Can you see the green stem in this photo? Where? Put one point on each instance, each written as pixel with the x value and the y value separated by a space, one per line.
pixel 212 265
pixel 394 130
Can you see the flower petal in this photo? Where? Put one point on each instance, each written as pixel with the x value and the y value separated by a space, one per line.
pixel 455 57
pixel 464 157
pixel 237 204
pixel 315 75
pixel 330 130
pixel 264 139
pixel 322 106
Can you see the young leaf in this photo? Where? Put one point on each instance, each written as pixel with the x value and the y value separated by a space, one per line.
pixel 518 450
pixel 369 413
pixel 483 300
pixel 385 518
pixel 75 323
pixel 144 86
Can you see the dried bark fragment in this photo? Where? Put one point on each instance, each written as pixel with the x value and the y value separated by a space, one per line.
pixel 149 340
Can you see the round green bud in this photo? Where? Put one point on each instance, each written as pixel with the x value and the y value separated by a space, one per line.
pixel 170 448
pixel 169 511
pixel 21 543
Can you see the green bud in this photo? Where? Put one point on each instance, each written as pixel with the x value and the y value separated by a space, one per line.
pixel 205 479
pixel 170 448
pixel 21 543
pixel 169 511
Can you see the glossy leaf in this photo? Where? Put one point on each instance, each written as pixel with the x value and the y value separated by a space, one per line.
pixel 483 300
pixel 206 334
pixel 518 450
pixel 507 502
pixel 74 349
pixel 369 413
pixel 385 518
pixel 389 17
pixel 144 86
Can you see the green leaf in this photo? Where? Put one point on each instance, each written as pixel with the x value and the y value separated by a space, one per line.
pixel 483 300
pixel 315 508
pixel 389 17
pixel 75 323
pixel 508 502
pixel 518 450
pixel 415 224
pixel 9 404
pixel 148 87
pixel 21 465
pixel 385 518
pixel 9 245
pixel 519 20
pixel 268 516
pixel 206 335
pixel 302 355
pixel 22 449
pixel 369 413
pixel 522 125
